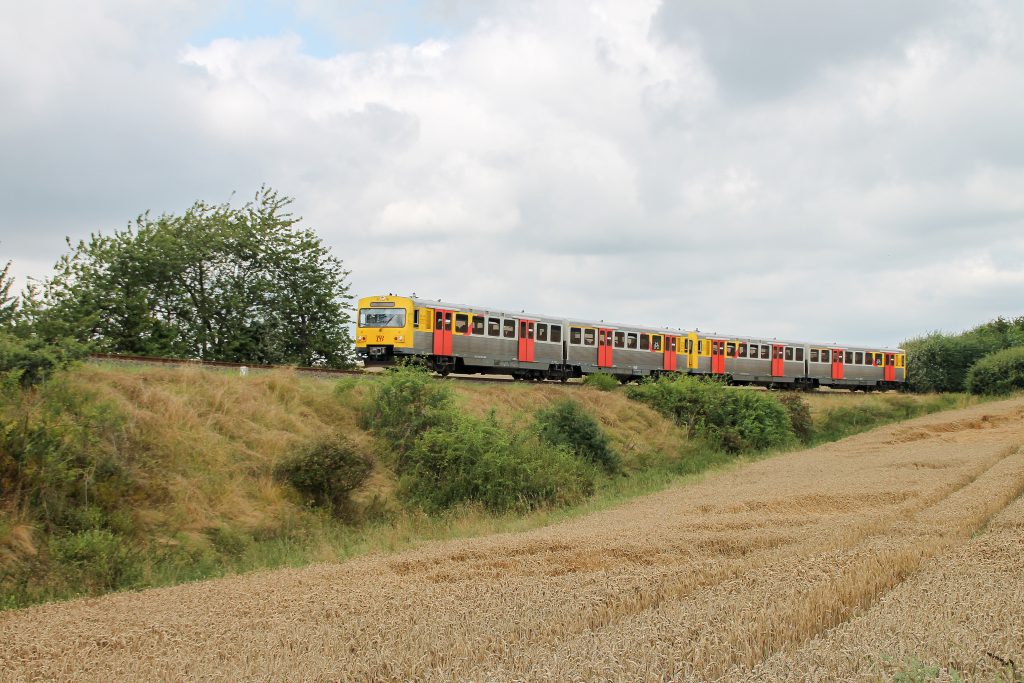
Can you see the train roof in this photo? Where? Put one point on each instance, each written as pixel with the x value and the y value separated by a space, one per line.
pixel 433 303
pixel 583 322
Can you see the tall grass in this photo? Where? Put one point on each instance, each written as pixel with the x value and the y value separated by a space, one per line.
pixel 155 476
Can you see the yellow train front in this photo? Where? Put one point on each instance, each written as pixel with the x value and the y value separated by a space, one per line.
pixel 385 329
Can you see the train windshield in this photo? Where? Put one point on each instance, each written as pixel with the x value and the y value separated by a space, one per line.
pixel 381 317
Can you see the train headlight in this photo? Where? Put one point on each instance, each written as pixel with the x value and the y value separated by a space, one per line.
pixel 400 338
pixel 361 338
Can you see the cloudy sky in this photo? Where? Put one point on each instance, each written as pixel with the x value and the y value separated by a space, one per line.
pixel 846 171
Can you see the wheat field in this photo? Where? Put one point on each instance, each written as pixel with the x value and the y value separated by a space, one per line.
pixel 842 562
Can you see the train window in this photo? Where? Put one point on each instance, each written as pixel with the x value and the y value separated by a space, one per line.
pixel 799 354
pixel 742 351
pixel 416 317
pixel 575 335
pixel 556 334
pixel 730 349
pixel 858 358
pixel 478 324
pixel 849 357
pixel 764 352
pixel 493 327
pixel 508 329
pixel 589 337
pixel 826 356
pixel 542 331
pixel 631 340
pixel 789 353
pixel 620 340
pixel 655 342
pixel 671 344
pixel 645 342
pixel 814 355
pixel 461 323
pixel 687 345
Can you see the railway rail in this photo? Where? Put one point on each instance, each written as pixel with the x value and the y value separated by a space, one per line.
pixel 313 372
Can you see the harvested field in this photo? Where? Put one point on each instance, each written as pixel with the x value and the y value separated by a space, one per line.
pixel 837 563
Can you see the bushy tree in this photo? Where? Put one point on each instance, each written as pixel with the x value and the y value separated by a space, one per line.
pixel 26 357
pixel 8 301
pixel 243 284
pixel 1001 372
pixel 939 362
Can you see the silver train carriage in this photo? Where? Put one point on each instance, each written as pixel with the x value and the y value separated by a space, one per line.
pixel 457 338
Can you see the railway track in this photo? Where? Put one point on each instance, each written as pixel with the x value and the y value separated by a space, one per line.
pixel 321 373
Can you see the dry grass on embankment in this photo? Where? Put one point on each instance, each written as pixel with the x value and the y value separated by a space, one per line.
pixel 843 562
pixel 201 446
pixel 217 436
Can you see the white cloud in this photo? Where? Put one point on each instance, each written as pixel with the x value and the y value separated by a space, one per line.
pixel 626 161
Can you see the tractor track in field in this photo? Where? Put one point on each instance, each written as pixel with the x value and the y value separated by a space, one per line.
pixel 834 563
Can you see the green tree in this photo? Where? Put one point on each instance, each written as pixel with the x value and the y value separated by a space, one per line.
pixel 243 284
pixel 940 362
pixel 8 301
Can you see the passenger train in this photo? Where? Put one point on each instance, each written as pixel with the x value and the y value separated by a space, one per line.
pixel 455 338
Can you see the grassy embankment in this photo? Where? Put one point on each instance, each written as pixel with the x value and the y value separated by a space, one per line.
pixel 182 460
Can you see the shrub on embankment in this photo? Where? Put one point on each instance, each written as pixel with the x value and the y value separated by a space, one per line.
pixel 733 420
pixel 998 373
pixel 445 457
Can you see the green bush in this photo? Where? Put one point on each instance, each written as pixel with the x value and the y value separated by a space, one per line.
pixel 29 360
pixel 940 362
pixel 1001 372
pixel 601 380
pixel 95 560
pixel 566 424
pixel 799 416
pixel 735 420
pixel 480 461
pixel 402 405
pixel 326 473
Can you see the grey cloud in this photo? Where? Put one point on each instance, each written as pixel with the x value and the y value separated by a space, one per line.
pixel 768 49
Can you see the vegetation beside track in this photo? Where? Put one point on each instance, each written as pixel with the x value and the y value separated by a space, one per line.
pixel 119 477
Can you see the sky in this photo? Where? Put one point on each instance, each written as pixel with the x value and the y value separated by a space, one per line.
pixel 842 171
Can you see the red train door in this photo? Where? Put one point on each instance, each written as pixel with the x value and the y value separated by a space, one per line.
pixel 526 332
pixel 670 363
pixel 442 332
pixel 890 367
pixel 837 364
pixel 778 360
pixel 604 348
pixel 717 357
